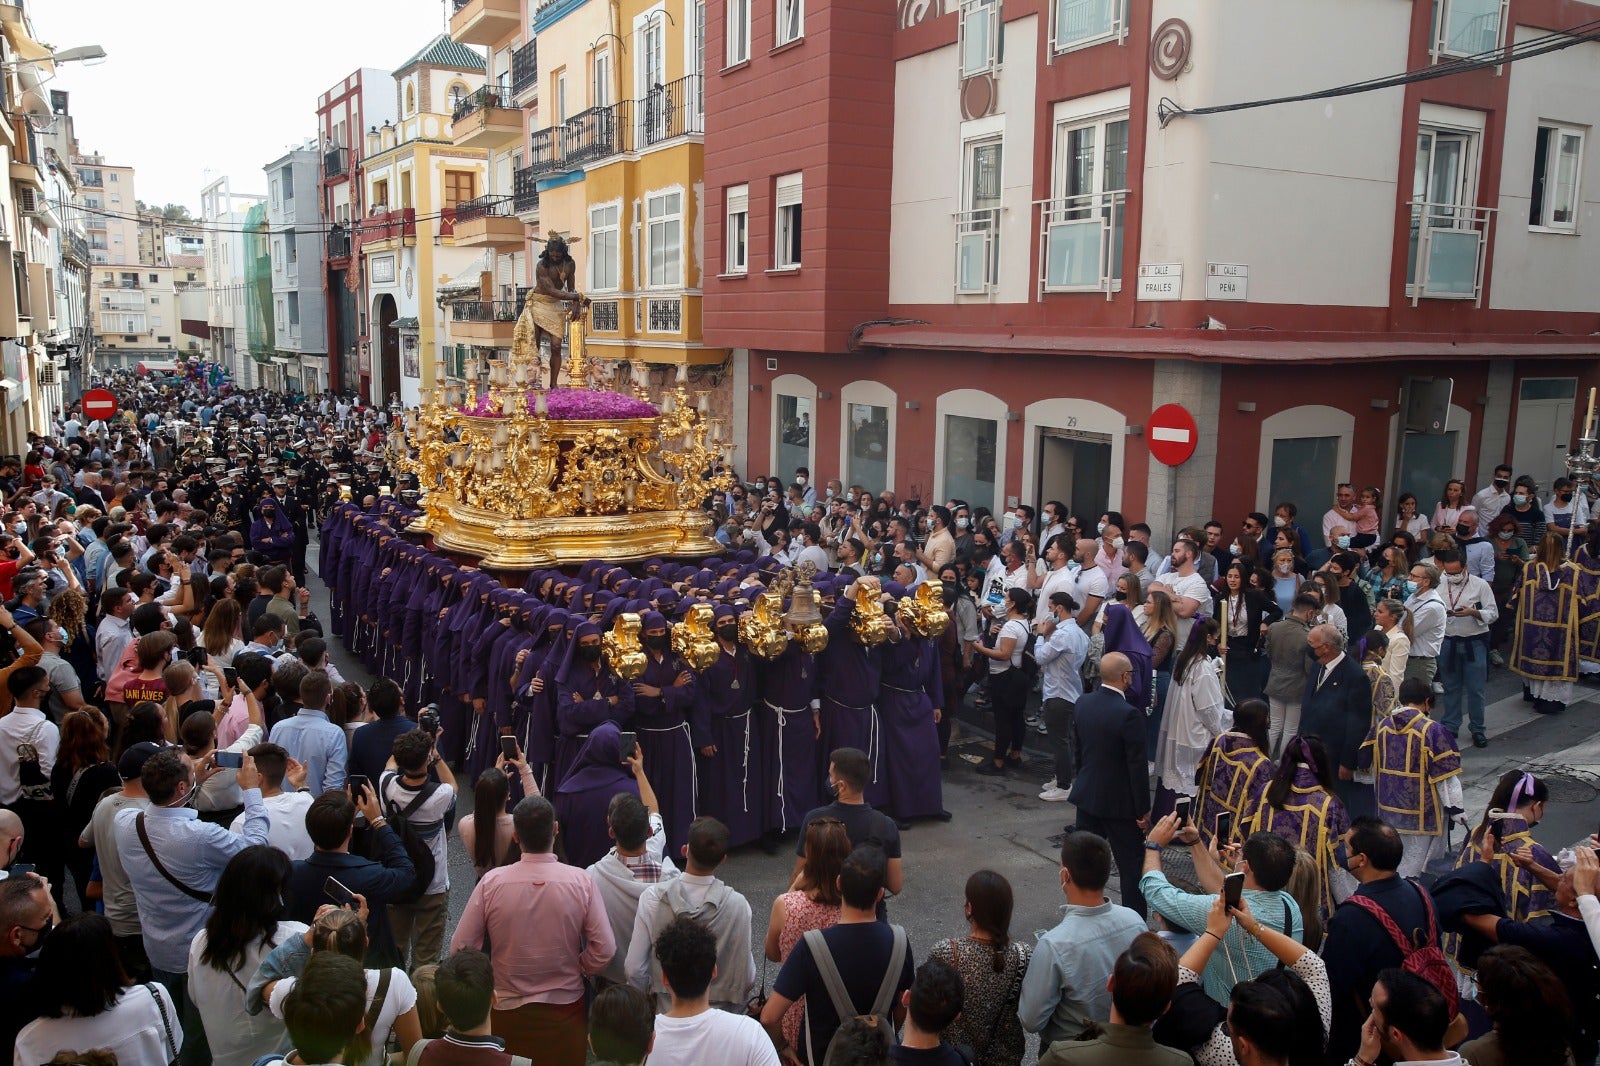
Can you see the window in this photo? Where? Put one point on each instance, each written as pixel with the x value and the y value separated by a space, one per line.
pixel 786 231
pixel 1557 163
pixel 980 36
pixel 163 340
pixel 459 186
pixel 155 321
pixel 561 97
pixel 155 300
pixel 114 177
pixel 273 188
pixel 380 194
pixel 458 96
pixel 294 309
pixel 155 278
pixel 1447 229
pixel 290 246
pixel 602 78
pixel 1083 223
pixel 605 248
pixel 736 259
pixel 794 431
pixel 664 238
pixel 868 462
pixel 1466 27
pixel 738 32
pixel 288 184
pixel 969 457
pixel 791 24
pixel 411 98
pixel 1080 22
pixel 978 223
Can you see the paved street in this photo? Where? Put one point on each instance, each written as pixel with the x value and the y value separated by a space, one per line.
pixel 1000 824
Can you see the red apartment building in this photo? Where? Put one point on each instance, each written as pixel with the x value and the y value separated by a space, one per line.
pixel 966 257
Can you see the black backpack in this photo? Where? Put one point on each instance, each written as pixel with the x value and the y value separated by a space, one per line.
pixel 416 837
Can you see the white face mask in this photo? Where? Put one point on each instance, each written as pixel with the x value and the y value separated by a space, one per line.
pixel 1100 527
pixel 830 492
pixel 961 523
pixel 1117 543
pixel 1010 521
pixel 1279 521
pixel 799 481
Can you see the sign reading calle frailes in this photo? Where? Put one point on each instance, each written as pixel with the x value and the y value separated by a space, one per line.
pixel 1160 281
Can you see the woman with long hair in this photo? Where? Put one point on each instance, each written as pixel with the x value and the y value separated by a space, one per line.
pixel 82 774
pixel 1394 620
pixel 1530 1008
pixel 1515 807
pixel 245 924
pixel 1327 587
pixel 1158 622
pixel 1393 576
pixel 1243 615
pixel 84 1000
pixel 1544 647
pixel 487 832
pixel 69 609
pixel 1407 519
pixel 991 965
pixel 812 902
pixel 1300 806
pixel 147 722
pixel 220 635
pixel 1008 684
pixel 1285 578
pixel 1193 718
pixel 1451 502
pixel 1234 772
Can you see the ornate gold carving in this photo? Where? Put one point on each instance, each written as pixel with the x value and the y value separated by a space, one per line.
pixel 693 640
pixel 924 610
pixel 623 649
pixel 869 625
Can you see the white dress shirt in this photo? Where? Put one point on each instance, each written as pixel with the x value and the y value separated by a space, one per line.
pixel 1427 624
pixel 25 725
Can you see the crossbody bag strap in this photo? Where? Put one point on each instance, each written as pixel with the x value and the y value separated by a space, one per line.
pixel 144 839
pixel 375 1008
pixel 883 1004
pixel 166 1023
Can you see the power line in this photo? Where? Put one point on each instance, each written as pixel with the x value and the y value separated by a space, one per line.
pixel 1168 109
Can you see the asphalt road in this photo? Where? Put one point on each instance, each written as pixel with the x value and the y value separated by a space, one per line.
pixel 999 823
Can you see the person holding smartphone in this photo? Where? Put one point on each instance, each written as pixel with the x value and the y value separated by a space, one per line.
pixel 427 804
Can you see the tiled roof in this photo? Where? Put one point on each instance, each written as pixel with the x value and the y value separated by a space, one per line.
pixel 442 51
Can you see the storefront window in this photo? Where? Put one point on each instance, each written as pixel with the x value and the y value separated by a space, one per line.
pixel 794 436
pixel 869 447
pixel 969 452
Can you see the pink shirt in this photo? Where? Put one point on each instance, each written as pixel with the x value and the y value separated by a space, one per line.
pixel 547 926
pixel 233 723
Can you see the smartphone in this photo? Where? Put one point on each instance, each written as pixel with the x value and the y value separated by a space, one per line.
pixel 20 868
pixel 630 744
pixel 1233 889
pixel 358 784
pixel 1183 808
pixel 197 657
pixel 1497 832
pixel 1224 828
pixel 508 748
pixel 231 676
pixel 341 896
pixel 230 760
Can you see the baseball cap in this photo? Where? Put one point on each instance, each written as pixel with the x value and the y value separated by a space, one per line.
pixel 131 765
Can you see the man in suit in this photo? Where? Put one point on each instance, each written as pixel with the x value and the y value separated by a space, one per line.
pixel 1112 789
pixel 1337 706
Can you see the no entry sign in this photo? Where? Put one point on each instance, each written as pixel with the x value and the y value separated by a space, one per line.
pixel 1172 434
pixel 99 403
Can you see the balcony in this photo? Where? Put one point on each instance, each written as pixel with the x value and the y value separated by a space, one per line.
pixel 525 192
pixel 1466 28
pixel 488 222
pixel 77 248
pixel 338 243
pixel 592 135
pixel 1445 260
pixel 484 21
pixel 335 163
pixel 524 69
pixel 486 119
pixel 1080 240
pixel 675 109
pixel 384 230
pixel 487 322
pixel 544 152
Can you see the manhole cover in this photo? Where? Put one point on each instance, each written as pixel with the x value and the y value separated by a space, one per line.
pixel 1566 787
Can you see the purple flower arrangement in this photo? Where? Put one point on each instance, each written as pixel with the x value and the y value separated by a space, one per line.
pixel 572 404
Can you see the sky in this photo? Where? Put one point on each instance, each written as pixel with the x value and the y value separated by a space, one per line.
pixel 192 90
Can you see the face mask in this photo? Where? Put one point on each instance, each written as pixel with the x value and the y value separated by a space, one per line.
pixel 728 633
pixel 1284 568
pixel 927 523
pixel 1465 532
pixel 950 590
pixel 830 492
pixel 1519 499
pixel 799 481
pixel 1010 521
pixel 1341 855
pixel 655 641
pixel 1343 542
pixel 1119 596
pixel 1410 587
pixel 1504 534
pixel 1562 496
pixel 590 652
pixel 1117 543
pixel 962 523
pixel 1233 549
pixel 1100 528
pixel 1279 521
pixel 1501 482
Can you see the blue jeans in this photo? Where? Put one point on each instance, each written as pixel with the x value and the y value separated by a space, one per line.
pixel 1464 671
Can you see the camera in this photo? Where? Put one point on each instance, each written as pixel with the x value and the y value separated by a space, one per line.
pixel 428 719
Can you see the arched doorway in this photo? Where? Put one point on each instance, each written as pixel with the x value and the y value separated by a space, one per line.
pixel 384 313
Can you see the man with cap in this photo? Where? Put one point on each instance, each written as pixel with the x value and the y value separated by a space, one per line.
pixel 665 698
pixel 100 835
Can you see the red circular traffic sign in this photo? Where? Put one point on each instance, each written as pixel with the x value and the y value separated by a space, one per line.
pixel 99 403
pixel 1172 434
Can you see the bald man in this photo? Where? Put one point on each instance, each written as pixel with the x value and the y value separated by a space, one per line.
pixel 10 839
pixel 1112 789
pixel 1337 706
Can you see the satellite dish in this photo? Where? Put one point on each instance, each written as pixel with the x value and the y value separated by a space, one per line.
pixel 37 109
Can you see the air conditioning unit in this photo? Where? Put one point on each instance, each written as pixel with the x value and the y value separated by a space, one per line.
pixel 27 200
pixel 47 372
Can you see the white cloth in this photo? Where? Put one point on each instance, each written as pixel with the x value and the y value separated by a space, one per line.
pixel 728 920
pixel 1427 624
pixel 286 815
pixel 401 998
pixel 25 725
pixel 712 1036
pixel 1193 718
pixel 1063 580
pixel 132 1030
pixel 434 810
pixel 1089 583
pixel 1489 502
pixel 236 1037
pixel 1466 591
pixel 1016 629
pixel 1192 587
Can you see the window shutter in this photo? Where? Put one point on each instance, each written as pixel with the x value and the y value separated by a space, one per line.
pixel 788 191
pixel 738 199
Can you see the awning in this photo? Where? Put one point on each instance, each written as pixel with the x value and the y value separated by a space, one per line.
pixel 467 283
pixel 28 50
pixel 1226 346
pixel 404 323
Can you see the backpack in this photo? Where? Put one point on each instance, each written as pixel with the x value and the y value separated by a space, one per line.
pixel 1425 959
pixel 882 1013
pixel 416 837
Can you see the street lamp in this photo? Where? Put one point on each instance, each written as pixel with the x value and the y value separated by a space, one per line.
pixel 82 53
